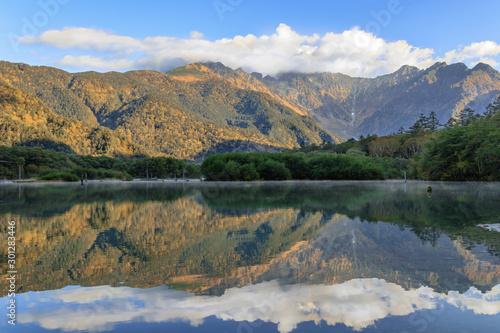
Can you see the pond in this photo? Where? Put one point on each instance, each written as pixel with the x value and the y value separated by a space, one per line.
pixel 251 257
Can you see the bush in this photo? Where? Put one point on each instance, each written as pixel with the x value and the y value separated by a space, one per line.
pixel 232 171
pixel 249 172
pixel 274 170
pixel 64 176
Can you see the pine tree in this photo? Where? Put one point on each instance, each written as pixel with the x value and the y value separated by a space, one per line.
pixel 493 108
pixel 451 122
pixel 424 121
pixel 433 122
pixel 416 128
pixel 466 116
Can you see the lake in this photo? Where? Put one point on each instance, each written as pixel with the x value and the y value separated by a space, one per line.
pixel 251 257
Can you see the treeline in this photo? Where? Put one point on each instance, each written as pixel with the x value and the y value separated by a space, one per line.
pixel 466 148
pixel 51 165
pixel 404 144
pixel 287 166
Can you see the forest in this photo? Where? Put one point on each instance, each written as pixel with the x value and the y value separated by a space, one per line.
pixel 38 163
pixel 466 148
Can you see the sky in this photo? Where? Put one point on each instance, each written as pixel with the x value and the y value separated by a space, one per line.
pixel 355 37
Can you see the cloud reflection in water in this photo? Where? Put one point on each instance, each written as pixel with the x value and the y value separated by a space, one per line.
pixel 356 303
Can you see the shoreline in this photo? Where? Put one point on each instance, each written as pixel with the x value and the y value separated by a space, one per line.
pixel 199 181
pixel 100 181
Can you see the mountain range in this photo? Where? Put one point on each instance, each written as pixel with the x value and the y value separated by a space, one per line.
pixel 350 106
pixel 204 108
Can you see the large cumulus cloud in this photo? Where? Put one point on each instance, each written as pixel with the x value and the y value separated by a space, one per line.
pixel 354 52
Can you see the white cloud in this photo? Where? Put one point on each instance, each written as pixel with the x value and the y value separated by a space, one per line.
pixel 354 52
pixel 473 299
pixel 356 303
pixel 84 39
pixel 476 51
pixel 196 35
pixel 96 63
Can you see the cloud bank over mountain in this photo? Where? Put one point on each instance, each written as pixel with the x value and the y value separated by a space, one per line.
pixel 354 52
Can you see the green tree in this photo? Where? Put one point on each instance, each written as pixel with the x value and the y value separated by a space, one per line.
pixel 417 129
pixel 432 122
pixel 493 108
pixel 466 117
pixel 249 172
pixel 274 170
pixel 232 171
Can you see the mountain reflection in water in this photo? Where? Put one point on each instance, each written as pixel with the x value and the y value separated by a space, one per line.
pixel 335 252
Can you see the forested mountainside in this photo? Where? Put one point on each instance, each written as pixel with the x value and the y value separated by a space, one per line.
pixel 25 120
pixel 197 110
pixel 184 118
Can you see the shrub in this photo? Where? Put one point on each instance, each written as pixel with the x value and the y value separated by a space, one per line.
pixel 274 170
pixel 64 176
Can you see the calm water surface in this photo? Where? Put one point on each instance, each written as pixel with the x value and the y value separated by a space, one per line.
pixel 253 257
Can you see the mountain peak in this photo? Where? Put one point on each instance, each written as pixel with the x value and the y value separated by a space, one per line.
pixel 216 66
pixel 484 67
pixel 406 70
pixel 192 72
pixel 437 65
pixel 257 75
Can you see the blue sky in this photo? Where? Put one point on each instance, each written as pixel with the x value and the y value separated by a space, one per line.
pixel 356 37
